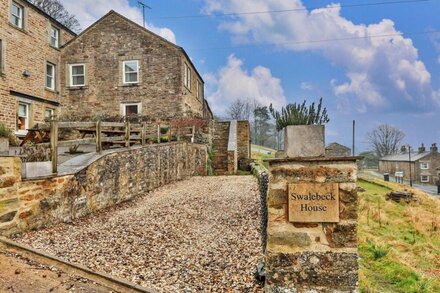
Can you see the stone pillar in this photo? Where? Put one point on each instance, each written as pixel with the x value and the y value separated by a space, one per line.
pixel 311 234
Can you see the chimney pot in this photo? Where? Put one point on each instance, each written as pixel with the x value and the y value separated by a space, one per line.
pixel 434 148
pixel 422 148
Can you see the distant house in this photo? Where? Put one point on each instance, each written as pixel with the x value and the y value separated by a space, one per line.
pixel 425 165
pixel 337 150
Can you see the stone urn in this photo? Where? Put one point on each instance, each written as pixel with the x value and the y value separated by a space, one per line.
pixel 4 145
pixel 304 141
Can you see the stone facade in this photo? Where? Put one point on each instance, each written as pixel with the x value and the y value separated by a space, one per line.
pixel 114 178
pixel 311 257
pixel 26 52
pixel 423 163
pixel 161 91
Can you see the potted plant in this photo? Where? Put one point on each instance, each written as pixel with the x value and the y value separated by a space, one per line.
pixel 5 136
pixel 303 128
pixel 35 160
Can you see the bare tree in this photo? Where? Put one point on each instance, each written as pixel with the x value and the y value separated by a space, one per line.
pixel 56 10
pixel 385 140
pixel 240 109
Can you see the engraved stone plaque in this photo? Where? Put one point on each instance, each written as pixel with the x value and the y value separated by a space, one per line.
pixel 314 202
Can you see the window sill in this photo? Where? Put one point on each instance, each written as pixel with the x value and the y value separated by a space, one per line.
pixel 130 84
pixel 18 28
pixel 77 88
pixel 51 90
pixel 55 48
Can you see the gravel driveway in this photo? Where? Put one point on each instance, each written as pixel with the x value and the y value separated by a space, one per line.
pixel 198 235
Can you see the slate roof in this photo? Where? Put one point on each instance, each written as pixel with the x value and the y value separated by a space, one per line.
pixel 335 144
pixel 405 157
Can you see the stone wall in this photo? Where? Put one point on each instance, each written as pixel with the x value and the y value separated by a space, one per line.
pixel 227 161
pixel 311 257
pixel 28 48
pixel 103 47
pixel 114 178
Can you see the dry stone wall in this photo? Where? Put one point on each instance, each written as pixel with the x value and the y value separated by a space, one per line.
pixel 114 178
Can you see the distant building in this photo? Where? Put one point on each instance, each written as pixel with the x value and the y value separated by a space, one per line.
pixel 425 165
pixel 337 150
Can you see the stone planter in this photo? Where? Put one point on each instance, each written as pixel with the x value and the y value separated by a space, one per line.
pixel 36 169
pixel 4 145
pixel 304 141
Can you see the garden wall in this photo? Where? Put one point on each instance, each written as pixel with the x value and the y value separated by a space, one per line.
pixel 114 178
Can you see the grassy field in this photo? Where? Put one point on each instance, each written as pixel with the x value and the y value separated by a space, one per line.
pixel 399 243
pixel 259 157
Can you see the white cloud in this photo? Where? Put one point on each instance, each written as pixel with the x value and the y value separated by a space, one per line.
pixel 306 86
pixel 381 72
pixel 233 82
pixel 87 12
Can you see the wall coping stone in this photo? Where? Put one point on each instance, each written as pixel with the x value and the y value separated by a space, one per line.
pixel 313 159
pixel 232 142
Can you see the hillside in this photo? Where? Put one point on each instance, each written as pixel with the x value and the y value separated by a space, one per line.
pixel 399 243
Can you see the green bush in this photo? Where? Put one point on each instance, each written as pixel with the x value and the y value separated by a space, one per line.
pixel 4 131
pixel 300 114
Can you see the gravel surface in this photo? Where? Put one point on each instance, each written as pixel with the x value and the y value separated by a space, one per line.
pixel 198 235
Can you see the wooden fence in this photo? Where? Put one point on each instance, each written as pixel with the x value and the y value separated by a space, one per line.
pixel 130 135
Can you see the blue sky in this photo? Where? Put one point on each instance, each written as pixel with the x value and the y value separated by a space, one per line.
pixel 287 57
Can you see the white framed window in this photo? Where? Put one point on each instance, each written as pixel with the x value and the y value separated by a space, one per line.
pixel 129 109
pixel 50 76
pixel 54 37
pixel 424 165
pixel 77 74
pixel 187 76
pixel 424 178
pixel 130 71
pixel 23 117
pixel 48 113
pixel 17 14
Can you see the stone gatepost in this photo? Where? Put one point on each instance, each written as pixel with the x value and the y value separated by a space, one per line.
pixel 312 201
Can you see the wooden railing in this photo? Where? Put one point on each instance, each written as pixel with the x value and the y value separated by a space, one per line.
pixel 132 134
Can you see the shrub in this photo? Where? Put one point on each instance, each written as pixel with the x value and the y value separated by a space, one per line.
pixel 300 114
pixel 4 131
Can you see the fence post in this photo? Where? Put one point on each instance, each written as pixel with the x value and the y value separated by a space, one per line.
pixel 158 132
pixel 143 133
pixel 98 137
pixel 127 134
pixel 54 143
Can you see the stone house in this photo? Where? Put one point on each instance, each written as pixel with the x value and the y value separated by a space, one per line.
pixel 425 165
pixel 117 68
pixel 113 68
pixel 337 150
pixel 30 59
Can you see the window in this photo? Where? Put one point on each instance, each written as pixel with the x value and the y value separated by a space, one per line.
pixel 17 15
pixel 131 71
pixel 54 37
pixel 130 109
pixel 23 117
pixel 48 113
pixel 77 75
pixel 187 76
pixel 199 90
pixel 424 165
pixel 50 76
pixel 424 178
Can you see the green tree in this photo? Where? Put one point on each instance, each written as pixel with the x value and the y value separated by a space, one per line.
pixel 261 125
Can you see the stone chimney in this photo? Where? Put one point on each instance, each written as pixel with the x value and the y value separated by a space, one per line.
pixel 403 149
pixel 422 148
pixel 434 148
